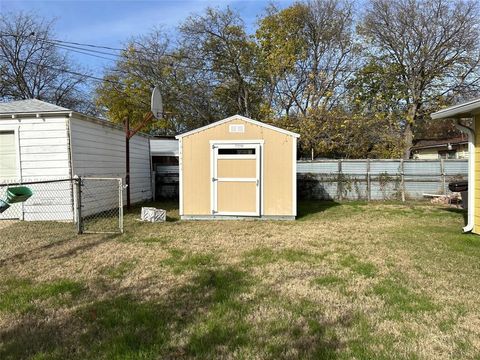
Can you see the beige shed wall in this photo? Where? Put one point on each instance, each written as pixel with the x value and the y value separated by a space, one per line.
pixel 277 167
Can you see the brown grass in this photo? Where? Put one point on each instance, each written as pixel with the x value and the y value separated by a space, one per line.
pixel 349 281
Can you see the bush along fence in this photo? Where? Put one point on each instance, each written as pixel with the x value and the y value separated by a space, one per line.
pixel 377 179
pixel 355 179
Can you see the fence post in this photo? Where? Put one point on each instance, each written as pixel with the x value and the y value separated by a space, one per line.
pixel 442 170
pixel 120 205
pixel 402 179
pixel 340 181
pixel 78 186
pixel 369 185
pixel 154 185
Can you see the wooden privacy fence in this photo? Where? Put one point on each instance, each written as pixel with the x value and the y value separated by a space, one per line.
pixel 379 179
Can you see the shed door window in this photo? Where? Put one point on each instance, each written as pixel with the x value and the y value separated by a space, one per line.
pixel 8 155
pixel 234 151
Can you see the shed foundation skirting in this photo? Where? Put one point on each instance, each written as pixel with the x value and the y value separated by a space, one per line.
pixel 229 217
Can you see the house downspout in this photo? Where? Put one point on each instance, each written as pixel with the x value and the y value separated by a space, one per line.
pixel 471 174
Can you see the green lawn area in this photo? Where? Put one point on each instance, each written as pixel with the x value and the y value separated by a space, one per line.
pixel 351 280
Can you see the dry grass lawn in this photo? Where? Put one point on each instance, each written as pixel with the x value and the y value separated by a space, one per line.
pixel 351 280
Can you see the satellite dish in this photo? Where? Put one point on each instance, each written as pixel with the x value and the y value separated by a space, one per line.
pixel 156 103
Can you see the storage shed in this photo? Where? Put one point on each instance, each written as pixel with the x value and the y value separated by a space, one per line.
pixel 41 141
pixel 461 112
pixel 238 167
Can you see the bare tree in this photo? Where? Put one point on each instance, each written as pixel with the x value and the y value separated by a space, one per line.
pixel 218 41
pixel 433 44
pixel 309 53
pixel 32 67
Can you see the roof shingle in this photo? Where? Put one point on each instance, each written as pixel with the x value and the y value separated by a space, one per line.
pixel 29 106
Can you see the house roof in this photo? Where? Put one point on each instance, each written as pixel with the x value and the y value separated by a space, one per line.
pixel 463 110
pixel 21 108
pixel 435 143
pixel 29 106
pixel 238 117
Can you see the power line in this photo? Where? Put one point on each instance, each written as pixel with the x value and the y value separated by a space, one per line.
pixel 82 50
pixel 67 71
pixel 81 46
pixel 84 53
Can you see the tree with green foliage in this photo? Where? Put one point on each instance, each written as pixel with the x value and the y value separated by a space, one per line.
pixel 306 69
pixel 126 89
pixel 222 47
pixel 307 51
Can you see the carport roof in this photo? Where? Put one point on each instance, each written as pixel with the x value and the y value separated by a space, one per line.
pixel 238 117
pixel 463 110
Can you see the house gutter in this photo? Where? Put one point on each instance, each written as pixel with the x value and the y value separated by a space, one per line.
pixel 471 174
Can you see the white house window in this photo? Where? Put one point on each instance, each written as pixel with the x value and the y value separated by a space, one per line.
pixel 237 128
pixel 447 154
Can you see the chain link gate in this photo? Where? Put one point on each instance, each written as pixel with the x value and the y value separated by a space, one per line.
pixel 99 205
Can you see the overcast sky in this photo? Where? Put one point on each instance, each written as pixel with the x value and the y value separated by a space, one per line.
pixel 111 23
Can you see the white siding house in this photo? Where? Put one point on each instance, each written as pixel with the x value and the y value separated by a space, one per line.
pixel 40 141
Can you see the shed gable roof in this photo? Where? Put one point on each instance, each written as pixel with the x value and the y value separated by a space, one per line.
pixel 238 117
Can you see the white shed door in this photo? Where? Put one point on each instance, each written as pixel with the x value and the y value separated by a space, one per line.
pixel 236 179
pixel 8 156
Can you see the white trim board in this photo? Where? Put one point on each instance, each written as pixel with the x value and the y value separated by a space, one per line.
pixel 243 179
pixel 239 117
pixel 294 177
pixel 180 176
pixel 233 142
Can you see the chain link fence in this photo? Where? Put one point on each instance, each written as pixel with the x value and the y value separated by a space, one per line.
pixel 47 217
pixel 57 210
pixel 101 205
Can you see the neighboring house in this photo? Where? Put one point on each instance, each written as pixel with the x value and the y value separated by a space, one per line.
pixel 468 110
pixel 42 141
pixel 454 148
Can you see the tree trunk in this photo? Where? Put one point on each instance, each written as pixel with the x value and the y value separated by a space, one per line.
pixel 408 132
pixel 408 139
